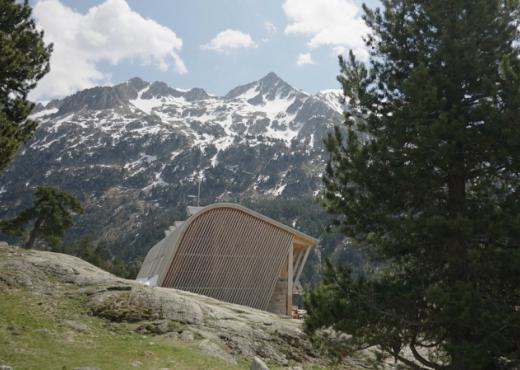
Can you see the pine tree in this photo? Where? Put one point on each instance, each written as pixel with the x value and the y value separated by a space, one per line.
pixel 428 180
pixel 49 217
pixel 100 255
pixel 24 59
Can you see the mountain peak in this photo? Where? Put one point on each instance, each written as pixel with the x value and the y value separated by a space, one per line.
pixel 137 83
pixel 160 89
pixel 196 93
pixel 271 77
pixel 269 87
pixel 95 98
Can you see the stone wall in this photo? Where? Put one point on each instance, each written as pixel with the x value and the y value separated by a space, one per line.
pixel 278 303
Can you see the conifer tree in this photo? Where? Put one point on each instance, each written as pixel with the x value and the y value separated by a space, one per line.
pixel 24 59
pixel 428 180
pixel 48 218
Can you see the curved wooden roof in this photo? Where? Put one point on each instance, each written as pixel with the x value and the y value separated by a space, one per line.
pixel 225 251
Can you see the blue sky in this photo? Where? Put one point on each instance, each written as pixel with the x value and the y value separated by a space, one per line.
pixel 110 41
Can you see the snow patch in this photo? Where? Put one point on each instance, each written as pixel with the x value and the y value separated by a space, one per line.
pixel 332 97
pixel 277 191
pixel 43 113
pixel 158 180
pixel 249 94
pixel 146 105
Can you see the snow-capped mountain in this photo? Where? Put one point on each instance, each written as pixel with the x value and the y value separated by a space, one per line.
pixel 136 151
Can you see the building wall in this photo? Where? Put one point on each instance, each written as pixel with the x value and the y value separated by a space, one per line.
pixel 230 255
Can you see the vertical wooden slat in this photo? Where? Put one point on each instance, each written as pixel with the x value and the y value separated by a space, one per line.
pixel 185 270
pixel 230 255
pixel 234 266
pixel 263 244
pixel 204 250
pixel 298 256
pixel 277 265
pixel 256 257
pixel 290 280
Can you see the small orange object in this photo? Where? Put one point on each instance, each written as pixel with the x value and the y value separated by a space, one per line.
pixel 297 313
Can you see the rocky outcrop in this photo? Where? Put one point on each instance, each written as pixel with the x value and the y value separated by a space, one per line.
pixel 223 330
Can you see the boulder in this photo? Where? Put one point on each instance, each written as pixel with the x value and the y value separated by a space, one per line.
pixel 258 364
pixel 76 325
pixel 187 336
pixel 214 350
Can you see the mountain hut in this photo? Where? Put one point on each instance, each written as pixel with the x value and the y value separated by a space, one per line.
pixel 233 254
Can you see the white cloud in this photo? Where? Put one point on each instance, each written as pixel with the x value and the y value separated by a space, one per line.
pixel 228 40
pixel 270 27
pixel 109 32
pixel 334 23
pixel 304 59
pixel 339 50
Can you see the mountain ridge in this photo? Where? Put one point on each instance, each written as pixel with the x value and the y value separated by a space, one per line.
pixel 128 89
pixel 134 154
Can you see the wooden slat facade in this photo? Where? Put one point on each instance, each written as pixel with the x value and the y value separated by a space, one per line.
pixel 230 253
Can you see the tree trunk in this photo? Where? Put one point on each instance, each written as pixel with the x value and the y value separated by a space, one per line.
pixel 34 232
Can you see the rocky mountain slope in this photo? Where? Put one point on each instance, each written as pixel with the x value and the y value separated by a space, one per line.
pixel 59 312
pixel 134 153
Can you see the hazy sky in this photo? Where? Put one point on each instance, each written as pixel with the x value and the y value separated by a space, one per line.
pixel 214 44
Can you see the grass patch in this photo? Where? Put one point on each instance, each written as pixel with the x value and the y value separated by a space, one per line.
pixel 34 336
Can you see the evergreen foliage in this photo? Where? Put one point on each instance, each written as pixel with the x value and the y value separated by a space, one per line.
pixel 428 179
pixel 49 217
pixel 100 255
pixel 24 59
